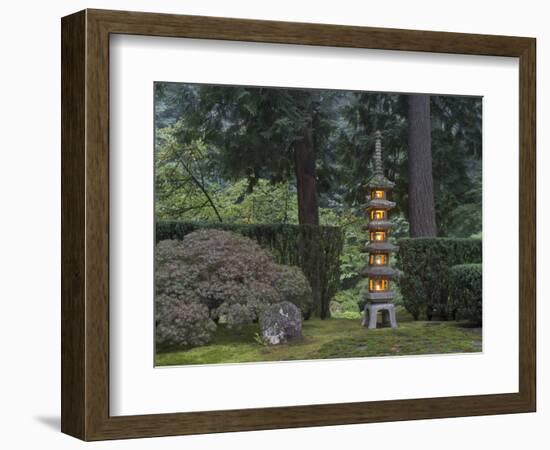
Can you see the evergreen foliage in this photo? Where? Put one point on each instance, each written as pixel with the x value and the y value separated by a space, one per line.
pixel 466 292
pixel 426 264
pixel 217 146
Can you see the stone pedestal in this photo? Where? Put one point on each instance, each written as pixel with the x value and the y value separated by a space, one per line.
pixel 371 311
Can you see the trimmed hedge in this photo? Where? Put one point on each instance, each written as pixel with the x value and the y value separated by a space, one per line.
pixel 426 263
pixel 315 249
pixel 466 291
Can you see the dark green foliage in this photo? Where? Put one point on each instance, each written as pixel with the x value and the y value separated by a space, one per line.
pixel 361 303
pixel 255 128
pixel 466 291
pixel 316 250
pixel 362 114
pixel 426 264
pixel 456 155
pixel 247 135
pixel 457 149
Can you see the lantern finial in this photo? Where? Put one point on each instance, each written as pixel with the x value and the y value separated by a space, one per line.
pixel 378 154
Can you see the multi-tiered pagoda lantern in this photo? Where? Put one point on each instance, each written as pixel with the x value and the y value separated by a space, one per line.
pixel 379 296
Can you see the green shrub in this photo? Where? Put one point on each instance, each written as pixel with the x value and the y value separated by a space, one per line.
pixel 345 302
pixel 218 276
pixel 466 291
pixel 314 249
pixel 426 263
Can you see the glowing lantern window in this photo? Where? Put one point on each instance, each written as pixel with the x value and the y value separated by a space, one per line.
pixel 377 194
pixel 377 260
pixel 377 214
pixel 378 236
pixel 376 285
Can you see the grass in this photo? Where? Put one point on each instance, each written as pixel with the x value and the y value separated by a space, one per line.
pixel 328 339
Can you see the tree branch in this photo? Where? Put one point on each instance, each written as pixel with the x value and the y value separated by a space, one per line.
pixel 202 188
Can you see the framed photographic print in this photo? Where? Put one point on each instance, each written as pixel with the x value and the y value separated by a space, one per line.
pixel 272 225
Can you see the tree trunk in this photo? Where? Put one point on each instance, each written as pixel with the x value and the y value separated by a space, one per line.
pixel 306 183
pixel 308 214
pixel 421 192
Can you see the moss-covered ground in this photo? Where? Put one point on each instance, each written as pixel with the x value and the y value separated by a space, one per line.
pixel 328 339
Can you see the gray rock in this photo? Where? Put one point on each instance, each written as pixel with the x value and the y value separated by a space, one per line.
pixel 280 323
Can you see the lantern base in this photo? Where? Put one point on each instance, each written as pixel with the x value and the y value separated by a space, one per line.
pixel 370 314
pixel 382 297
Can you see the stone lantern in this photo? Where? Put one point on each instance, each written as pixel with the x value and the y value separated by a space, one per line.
pixel 379 296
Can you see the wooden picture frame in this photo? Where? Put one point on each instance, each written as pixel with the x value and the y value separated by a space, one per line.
pixel 85 224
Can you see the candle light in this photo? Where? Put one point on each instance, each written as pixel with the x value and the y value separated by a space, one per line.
pixel 377 259
pixel 378 236
pixel 378 214
pixel 378 285
pixel 380 259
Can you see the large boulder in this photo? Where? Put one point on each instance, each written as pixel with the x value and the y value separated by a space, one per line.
pixel 281 323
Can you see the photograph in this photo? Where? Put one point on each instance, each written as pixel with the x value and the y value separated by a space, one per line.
pixel 267 226
pixel 300 224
